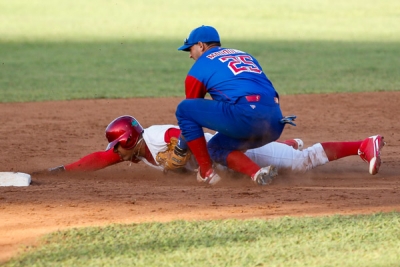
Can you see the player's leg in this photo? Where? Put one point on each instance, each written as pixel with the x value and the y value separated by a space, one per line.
pixel 192 116
pixel 337 150
pixel 240 122
pixel 286 158
pixel 226 151
pixel 368 149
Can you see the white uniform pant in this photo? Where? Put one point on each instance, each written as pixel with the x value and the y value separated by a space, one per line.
pixel 286 158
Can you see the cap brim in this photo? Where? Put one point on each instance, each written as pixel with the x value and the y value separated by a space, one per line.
pixel 185 47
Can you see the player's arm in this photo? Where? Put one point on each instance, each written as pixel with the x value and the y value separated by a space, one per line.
pixel 194 88
pixel 92 162
pixel 171 132
pixel 173 135
pixel 174 157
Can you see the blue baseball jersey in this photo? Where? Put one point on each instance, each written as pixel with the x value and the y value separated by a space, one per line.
pixel 228 74
pixel 245 110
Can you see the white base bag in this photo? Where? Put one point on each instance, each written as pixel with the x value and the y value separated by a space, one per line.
pixel 14 179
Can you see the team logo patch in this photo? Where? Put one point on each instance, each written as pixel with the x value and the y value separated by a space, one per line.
pixel 253 106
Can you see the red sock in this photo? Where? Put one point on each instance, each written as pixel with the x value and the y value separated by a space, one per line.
pixel 239 162
pixel 337 150
pixel 199 149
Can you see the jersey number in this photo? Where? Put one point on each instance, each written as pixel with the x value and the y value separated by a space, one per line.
pixel 239 64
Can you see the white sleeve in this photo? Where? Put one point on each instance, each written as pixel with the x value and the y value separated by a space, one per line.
pixel 285 157
pixel 154 136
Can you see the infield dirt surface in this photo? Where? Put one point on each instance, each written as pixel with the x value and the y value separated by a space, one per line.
pixel 36 136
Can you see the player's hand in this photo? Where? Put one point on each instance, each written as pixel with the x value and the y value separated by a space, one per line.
pixel 174 157
pixel 54 170
pixel 173 160
pixel 57 169
pixel 177 159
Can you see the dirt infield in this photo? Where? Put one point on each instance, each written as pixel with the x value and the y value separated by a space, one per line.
pixel 36 136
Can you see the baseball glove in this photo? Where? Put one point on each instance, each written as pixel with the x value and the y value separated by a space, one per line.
pixel 173 158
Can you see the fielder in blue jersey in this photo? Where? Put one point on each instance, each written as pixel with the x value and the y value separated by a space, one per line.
pixel 244 109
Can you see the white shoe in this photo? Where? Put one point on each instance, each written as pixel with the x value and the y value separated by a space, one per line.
pixel 265 175
pixel 211 178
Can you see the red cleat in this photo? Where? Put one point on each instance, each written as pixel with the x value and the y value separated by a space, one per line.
pixel 370 151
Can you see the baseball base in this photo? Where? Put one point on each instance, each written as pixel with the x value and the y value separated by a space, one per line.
pixel 14 179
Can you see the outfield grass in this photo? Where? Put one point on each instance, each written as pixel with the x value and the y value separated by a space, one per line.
pixel 61 71
pixel 372 240
pixel 58 50
pixel 66 20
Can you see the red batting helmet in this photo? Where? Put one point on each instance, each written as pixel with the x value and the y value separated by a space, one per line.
pixel 125 130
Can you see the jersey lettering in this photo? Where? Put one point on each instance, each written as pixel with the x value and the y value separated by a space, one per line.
pixel 240 63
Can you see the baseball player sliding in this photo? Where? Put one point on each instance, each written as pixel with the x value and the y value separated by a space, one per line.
pixel 129 141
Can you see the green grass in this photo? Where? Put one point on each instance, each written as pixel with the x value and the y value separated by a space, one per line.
pixel 59 50
pixel 350 20
pixel 62 71
pixel 372 240
pixel 50 71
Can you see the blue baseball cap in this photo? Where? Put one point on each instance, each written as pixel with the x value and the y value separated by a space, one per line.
pixel 203 34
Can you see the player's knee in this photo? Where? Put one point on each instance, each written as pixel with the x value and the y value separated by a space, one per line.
pixel 178 112
pixel 182 111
